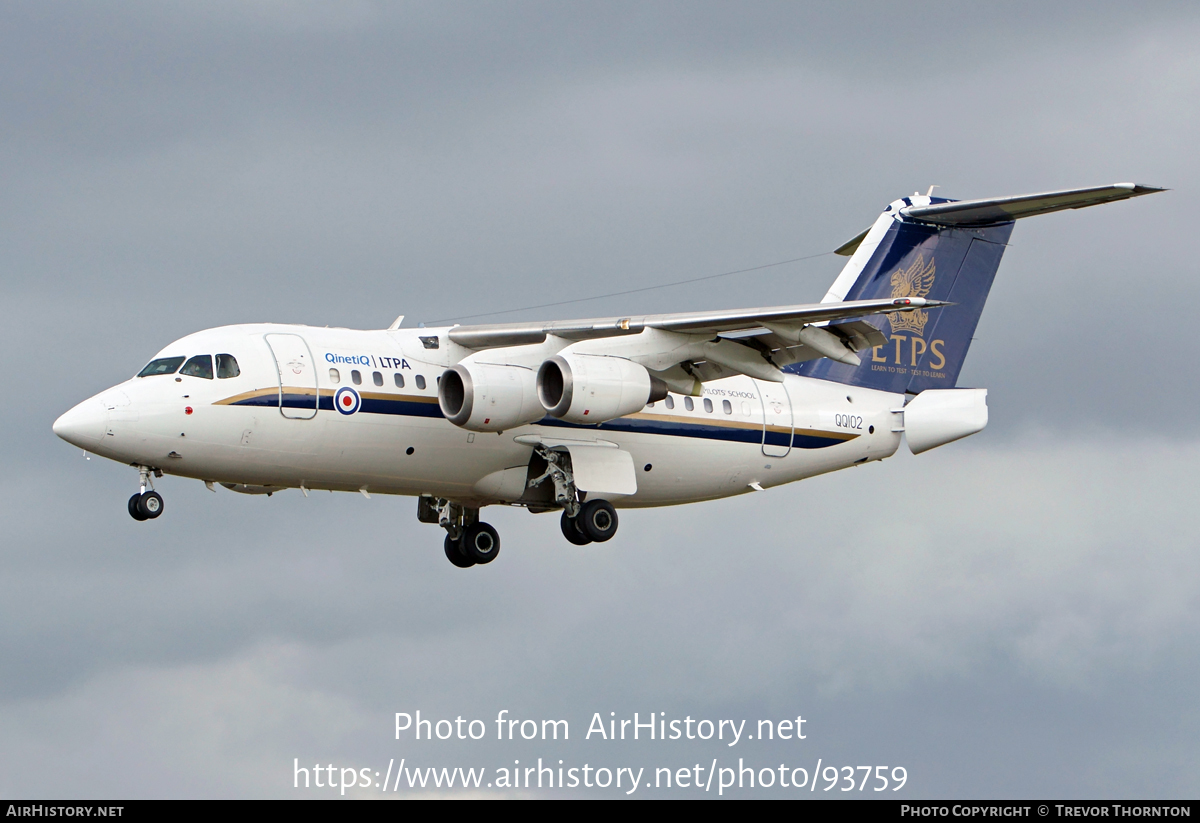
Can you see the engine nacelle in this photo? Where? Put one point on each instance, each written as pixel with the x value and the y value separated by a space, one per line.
pixel 487 398
pixel 586 388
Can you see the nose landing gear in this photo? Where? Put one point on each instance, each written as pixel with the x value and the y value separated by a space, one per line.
pixel 146 504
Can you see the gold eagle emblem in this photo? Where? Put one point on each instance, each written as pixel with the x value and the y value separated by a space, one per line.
pixel 915 281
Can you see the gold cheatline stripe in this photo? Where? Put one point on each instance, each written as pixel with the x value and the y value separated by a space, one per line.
pixel 250 395
pixel 246 396
pixel 409 398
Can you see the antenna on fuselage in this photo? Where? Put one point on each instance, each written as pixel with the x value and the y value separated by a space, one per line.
pixel 396 323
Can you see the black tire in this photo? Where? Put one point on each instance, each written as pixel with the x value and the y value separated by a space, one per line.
pixel 598 520
pixel 481 543
pixel 571 530
pixel 150 505
pixel 134 511
pixel 454 554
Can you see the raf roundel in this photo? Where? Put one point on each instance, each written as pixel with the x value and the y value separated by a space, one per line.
pixel 346 400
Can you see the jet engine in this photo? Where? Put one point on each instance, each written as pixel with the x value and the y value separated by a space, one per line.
pixel 489 398
pixel 584 388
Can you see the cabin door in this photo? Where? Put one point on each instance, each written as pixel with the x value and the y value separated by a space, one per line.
pixel 777 418
pixel 298 396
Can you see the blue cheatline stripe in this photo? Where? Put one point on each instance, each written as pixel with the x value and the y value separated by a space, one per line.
pixel 674 429
pixel 408 408
pixel 699 430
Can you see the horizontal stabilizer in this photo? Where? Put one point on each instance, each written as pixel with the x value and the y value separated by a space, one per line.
pixel 1005 209
pixel 850 246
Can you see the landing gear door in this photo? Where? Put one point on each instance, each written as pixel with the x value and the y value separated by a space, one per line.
pixel 603 470
pixel 777 418
pixel 298 395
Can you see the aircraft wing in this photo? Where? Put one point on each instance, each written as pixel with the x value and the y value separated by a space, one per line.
pixel 733 324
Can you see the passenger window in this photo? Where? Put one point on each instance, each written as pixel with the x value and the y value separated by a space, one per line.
pixel 335 376
pixel 421 380
pixel 356 377
pixel 377 379
pixel 199 366
pixel 163 365
pixel 688 404
pixel 399 380
pixel 708 405
pixel 227 366
pixel 670 401
pixel 726 407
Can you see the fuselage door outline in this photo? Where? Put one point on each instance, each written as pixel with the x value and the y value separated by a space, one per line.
pixel 777 411
pixel 297 370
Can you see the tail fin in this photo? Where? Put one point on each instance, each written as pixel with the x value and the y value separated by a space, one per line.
pixel 942 250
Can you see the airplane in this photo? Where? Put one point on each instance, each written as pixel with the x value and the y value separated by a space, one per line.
pixel 583 417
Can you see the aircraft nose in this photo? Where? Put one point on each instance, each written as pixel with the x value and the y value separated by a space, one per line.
pixel 84 425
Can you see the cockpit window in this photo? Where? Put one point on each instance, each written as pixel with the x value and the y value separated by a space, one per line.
pixel 163 365
pixel 198 366
pixel 227 366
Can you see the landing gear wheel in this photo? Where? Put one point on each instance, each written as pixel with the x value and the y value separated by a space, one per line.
pixel 455 554
pixel 134 511
pixel 481 543
pixel 150 504
pixel 598 520
pixel 572 531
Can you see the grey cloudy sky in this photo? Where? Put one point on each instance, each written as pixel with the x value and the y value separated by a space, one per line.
pixel 1013 615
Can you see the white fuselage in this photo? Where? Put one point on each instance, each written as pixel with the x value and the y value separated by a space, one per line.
pixel 236 430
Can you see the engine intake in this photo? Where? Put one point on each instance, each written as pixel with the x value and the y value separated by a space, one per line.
pixel 487 398
pixel 583 388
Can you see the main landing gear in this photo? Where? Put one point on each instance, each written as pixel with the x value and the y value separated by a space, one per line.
pixel 596 522
pixel 146 504
pixel 469 541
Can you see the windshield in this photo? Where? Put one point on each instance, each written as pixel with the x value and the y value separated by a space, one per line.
pixel 163 365
pixel 227 366
pixel 199 366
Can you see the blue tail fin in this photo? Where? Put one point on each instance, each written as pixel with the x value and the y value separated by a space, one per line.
pixel 897 258
pixel 942 250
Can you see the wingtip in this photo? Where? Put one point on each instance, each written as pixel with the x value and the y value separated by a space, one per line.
pixel 1139 189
